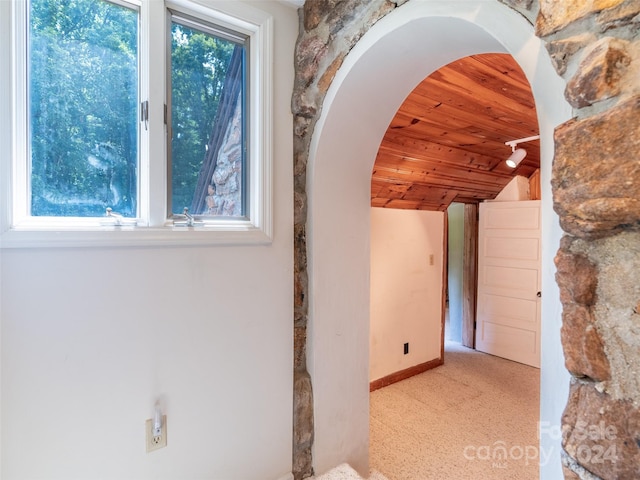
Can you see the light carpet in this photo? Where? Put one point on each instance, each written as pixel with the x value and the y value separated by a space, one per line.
pixel 475 417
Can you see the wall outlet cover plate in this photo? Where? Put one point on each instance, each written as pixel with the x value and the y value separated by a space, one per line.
pixel 156 442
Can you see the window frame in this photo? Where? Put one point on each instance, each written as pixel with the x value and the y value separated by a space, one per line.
pixel 155 225
pixel 215 29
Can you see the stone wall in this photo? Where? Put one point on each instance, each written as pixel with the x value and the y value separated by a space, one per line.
pixel 225 187
pixel 328 31
pixel 595 46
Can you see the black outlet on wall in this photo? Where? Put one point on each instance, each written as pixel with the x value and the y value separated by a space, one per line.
pixel 406 348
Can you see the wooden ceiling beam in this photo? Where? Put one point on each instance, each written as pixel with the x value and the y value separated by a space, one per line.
pixel 504 125
pixel 420 150
pixel 438 173
pixel 467 190
pixel 409 205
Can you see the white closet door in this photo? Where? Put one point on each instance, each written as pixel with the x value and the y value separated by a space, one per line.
pixel 508 310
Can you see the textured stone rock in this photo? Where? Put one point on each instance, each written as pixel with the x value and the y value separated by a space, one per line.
pixel 335 18
pixel 302 464
pixel 299 290
pixel 627 13
pixel 300 269
pixel 316 10
pixel 616 262
pixel 299 206
pixel 600 73
pixel 302 401
pixel 572 470
pixel 344 14
pixel 555 15
pixel 561 51
pixel 329 74
pixel 618 291
pixel 299 350
pixel 582 345
pixel 309 54
pixel 569 474
pixel 303 103
pixel 576 276
pixel 596 170
pixel 300 127
pixel 602 434
pixel 330 29
pixel 300 158
pixel 302 424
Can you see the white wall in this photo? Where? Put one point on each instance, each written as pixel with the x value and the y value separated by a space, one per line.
pixel 514 191
pixel 92 337
pixel 393 56
pixel 406 289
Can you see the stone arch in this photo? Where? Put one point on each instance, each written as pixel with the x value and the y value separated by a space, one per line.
pixel 356 61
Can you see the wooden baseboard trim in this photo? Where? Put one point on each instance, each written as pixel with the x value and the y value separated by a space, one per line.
pixel 404 374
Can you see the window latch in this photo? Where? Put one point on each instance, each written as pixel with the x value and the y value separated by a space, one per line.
pixel 117 220
pixel 144 114
pixel 189 220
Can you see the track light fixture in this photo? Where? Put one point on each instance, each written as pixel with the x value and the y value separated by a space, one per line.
pixel 518 154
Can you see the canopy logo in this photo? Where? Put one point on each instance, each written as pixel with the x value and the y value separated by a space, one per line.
pixel 583 441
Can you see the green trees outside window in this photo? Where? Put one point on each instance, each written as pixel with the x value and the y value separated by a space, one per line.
pixel 84 113
pixel 83 104
pixel 207 121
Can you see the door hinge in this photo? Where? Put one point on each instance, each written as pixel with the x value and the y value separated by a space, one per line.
pixel 165 114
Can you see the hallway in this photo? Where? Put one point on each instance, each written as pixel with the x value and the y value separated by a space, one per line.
pixel 475 417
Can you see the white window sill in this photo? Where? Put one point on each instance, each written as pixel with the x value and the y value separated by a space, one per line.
pixel 113 236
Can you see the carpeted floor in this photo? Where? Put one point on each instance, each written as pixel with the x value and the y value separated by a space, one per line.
pixel 475 417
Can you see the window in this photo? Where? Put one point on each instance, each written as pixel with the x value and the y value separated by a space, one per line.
pixel 207 118
pixel 136 116
pixel 82 103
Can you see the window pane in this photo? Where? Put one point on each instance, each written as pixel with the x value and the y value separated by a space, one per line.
pixel 83 100
pixel 207 122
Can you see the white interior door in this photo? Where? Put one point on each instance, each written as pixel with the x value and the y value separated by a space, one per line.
pixel 508 311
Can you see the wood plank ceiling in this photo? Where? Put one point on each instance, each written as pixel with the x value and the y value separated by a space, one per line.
pixel 446 143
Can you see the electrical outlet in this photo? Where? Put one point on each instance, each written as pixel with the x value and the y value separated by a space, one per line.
pixel 158 441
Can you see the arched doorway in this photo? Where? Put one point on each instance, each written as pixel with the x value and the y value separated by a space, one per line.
pixel 385 64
